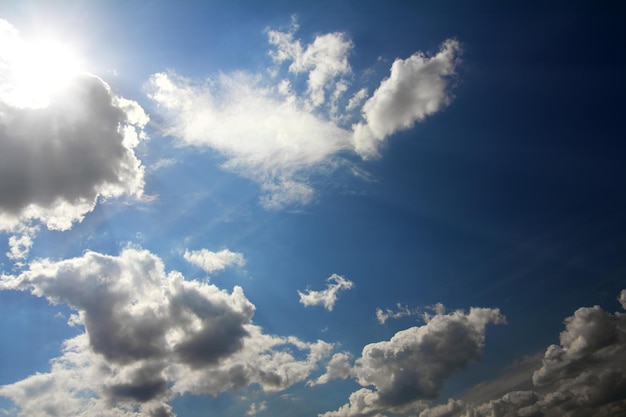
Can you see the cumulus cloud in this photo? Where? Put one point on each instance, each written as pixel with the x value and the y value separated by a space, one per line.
pixel 256 408
pixel 338 367
pixel 149 336
pixel 214 261
pixel 58 159
pixel 324 60
pixel 327 297
pixel 417 87
pixel 583 376
pixel 409 370
pixel 272 134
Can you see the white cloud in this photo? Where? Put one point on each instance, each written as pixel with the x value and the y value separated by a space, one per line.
pixel 278 137
pixel 214 261
pixel 262 135
pixel 417 87
pixel 21 242
pixel 57 159
pixel 327 297
pixel 324 60
pixel 622 299
pixel 149 336
pixel 409 370
pixel 256 408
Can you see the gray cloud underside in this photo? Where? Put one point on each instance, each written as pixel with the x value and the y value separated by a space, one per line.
pixel 583 376
pixel 149 336
pixel 57 160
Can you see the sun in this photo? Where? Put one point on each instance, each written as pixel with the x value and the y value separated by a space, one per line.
pixel 38 70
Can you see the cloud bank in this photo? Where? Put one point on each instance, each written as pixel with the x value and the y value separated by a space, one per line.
pixel 148 337
pixel 279 137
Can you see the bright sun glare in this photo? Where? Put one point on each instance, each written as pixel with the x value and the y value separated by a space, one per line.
pixel 40 70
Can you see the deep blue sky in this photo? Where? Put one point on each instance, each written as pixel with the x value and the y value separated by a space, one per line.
pixel 510 196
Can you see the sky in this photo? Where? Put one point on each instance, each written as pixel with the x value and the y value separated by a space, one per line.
pixel 329 208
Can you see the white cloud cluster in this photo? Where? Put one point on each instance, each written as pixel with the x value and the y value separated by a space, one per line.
pixel 409 370
pixel 583 376
pixel 279 137
pixel 214 261
pixel 327 297
pixel 57 160
pixel 325 60
pixel 149 336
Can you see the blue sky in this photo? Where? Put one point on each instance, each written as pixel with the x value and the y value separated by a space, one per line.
pixel 312 209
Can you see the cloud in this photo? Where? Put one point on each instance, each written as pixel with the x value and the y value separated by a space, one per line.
pixel 583 376
pixel 409 370
pixel 324 60
pixel 327 297
pixel 402 311
pixel 264 135
pixel 58 159
pixel 256 408
pixel 417 87
pixel 214 261
pixel 338 367
pixel 271 133
pixel 149 336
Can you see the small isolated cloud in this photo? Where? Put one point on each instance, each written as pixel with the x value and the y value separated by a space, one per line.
pixel 416 88
pixel 583 376
pixel 327 297
pixel 409 370
pixel 211 262
pixel 59 156
pixel 270 133
pixel 149 336
pixel 401 311
pixel 256 408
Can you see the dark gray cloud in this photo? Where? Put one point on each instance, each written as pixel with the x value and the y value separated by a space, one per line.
pixel 149 336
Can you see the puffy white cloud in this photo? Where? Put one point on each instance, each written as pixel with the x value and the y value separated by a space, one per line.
pixel 278 137
pixel 57 158
pixel 327 297
pixel 324 60
pixel 149 336
pixel 214 261
pixel 410 368
pixel 417 87
pixel 338 367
